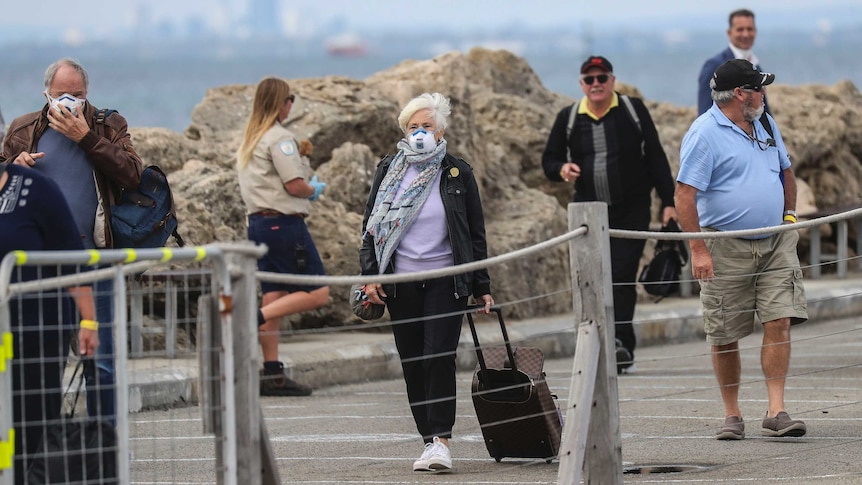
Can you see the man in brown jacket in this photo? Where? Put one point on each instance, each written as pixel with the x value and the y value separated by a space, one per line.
pixel 91 169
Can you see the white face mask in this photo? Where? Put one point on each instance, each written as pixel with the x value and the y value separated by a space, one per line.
pixel 67 101
pixel 422 141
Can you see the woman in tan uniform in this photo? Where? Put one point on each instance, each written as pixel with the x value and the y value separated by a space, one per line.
pixel 277 188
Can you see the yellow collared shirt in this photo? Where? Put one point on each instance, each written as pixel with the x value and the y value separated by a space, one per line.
pixel 584 110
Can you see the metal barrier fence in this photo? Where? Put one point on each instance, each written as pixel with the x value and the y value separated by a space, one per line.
pixel 223 281
pixel 44 352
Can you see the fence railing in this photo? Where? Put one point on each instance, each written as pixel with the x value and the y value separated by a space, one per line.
pixel 210 295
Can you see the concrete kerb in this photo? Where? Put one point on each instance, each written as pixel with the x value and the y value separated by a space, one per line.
pixel 329 359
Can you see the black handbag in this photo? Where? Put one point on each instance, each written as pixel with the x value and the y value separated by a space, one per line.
pixel 76 450
pixel 660 276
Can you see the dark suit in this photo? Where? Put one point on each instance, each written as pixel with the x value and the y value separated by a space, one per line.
pixel 704 96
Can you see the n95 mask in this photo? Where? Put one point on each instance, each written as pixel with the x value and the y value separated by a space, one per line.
pixel 66 101
pixel 422 141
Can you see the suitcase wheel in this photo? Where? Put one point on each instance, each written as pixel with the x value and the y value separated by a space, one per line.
pixel 498 458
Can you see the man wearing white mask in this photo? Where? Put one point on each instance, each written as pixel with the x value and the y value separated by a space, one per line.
pixel 741 33
pixel 91 169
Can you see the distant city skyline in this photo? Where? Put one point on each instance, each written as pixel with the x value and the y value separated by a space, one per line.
pixel 44 20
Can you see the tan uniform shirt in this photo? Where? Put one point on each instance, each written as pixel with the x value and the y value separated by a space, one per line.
pixel 275 161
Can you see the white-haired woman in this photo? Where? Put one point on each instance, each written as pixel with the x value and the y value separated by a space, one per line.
pixel 424 213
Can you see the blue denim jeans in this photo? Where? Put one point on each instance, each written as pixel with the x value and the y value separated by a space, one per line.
pixel 101 388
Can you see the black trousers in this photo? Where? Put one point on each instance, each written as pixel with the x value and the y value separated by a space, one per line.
pixel 37 389
pixel 427 350
pixel 625 260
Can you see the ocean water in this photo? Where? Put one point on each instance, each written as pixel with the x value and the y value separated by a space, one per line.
pixel 157 92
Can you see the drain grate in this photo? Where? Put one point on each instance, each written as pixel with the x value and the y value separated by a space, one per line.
pixel 650 469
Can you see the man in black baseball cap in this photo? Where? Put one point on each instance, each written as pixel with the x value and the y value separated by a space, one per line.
pixel 727 181
pixel 739 73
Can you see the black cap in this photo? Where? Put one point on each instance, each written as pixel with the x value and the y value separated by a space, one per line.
pixel 738 73
pixel 596 61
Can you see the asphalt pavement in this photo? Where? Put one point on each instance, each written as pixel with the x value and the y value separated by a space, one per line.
pixel 670 409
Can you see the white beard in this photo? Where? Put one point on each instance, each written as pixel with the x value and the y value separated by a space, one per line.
pixel 749 113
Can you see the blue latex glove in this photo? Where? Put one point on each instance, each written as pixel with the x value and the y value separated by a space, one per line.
pixel 318 187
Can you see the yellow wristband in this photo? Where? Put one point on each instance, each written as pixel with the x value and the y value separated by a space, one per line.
pixel 90 324
pixel 790 217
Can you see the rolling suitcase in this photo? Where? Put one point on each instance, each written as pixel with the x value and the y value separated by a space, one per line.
pixel 516 410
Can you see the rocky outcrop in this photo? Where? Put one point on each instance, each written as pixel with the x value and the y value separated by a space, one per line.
pixel 501 118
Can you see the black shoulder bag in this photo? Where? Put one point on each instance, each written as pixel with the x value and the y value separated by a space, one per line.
pixel 76 450
pixel 661 276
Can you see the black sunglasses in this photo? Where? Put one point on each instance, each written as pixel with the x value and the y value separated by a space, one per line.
pixel 291 98
pixel 603 78
pixel 752 88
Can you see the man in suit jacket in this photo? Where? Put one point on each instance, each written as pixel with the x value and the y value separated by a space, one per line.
pixel 741 33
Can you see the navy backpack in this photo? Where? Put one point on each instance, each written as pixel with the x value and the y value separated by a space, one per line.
pixel 143 217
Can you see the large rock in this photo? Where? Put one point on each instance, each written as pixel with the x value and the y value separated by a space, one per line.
pixel 501 118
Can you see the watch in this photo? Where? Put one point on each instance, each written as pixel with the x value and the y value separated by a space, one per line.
pixel 790 213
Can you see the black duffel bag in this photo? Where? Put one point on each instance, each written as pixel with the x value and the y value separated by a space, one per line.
pixel 76 449
pixel 661 276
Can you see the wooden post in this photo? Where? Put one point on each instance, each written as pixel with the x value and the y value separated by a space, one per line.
pixel 841 250
pixel 245 369
pixel 591 435
pixel 858 224
pixel 814 236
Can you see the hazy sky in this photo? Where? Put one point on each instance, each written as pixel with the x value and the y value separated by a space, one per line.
pixel 101 15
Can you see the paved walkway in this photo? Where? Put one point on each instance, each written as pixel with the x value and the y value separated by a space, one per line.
pixel 342 357
pixel 670 409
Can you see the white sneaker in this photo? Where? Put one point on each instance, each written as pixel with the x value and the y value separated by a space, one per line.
pixel 422 465
pixel 439 460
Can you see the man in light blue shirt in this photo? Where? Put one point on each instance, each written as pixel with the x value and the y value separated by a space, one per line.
pixel 730 179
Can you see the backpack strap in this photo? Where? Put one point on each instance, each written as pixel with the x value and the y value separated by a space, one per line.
pixel 633 115
pixel 766 124
pixel 179 239
pixel 569 127
pixel 771 140
pixel 176 235
pixel 99 120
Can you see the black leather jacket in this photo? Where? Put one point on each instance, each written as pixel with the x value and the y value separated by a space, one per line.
pixel 464 218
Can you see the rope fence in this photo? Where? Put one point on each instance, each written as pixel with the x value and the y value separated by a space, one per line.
pixel 363 432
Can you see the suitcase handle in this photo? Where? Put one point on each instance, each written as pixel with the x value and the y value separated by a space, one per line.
pixel 498 310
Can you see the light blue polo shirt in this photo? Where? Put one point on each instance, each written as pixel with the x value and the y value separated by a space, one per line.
pixel 737 179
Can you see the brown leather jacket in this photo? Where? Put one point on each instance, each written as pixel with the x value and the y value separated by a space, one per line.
pixel 116 164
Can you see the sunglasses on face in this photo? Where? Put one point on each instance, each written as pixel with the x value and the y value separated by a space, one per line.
pixel 747 87
pixel 602 78
pixel 291 98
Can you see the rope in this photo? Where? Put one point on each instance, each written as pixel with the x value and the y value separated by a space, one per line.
pixel 626 234
pixel 324 280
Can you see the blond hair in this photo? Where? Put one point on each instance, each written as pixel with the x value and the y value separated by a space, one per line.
pixel 269 98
